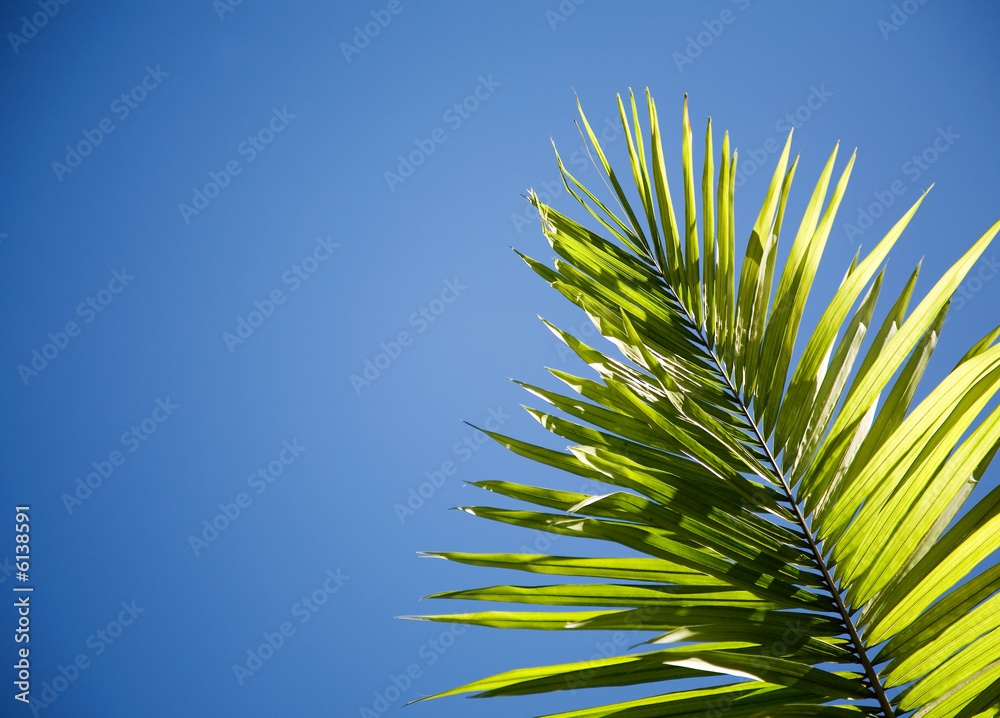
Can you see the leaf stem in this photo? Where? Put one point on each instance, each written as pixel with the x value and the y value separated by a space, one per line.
pixel 859 647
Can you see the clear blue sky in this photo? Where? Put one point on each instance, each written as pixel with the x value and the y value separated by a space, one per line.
pixel 206 230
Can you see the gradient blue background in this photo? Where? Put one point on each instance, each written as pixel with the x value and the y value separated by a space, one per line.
pixel 453 219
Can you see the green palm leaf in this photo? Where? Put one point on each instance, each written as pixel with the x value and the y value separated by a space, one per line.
pixel 804 528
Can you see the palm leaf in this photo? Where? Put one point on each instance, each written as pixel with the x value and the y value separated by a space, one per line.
pixel 804 528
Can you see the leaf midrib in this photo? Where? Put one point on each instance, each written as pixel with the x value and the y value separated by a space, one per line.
pixel 859 647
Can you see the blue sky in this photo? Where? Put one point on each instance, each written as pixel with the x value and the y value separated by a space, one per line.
pixel 214 214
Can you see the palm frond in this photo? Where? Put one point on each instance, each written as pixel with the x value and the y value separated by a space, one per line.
pixel 799 531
